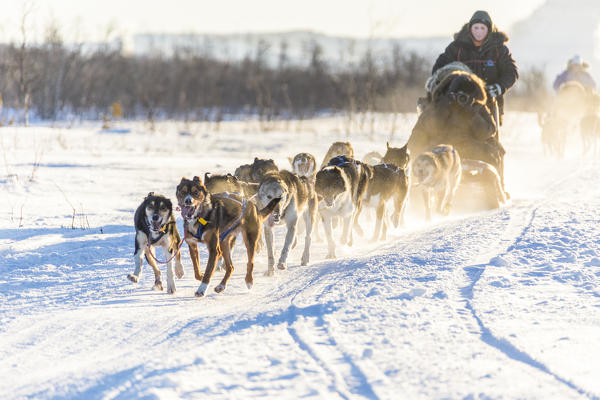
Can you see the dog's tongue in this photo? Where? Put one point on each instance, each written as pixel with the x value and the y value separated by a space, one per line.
pixel 187 211
pixel 156 225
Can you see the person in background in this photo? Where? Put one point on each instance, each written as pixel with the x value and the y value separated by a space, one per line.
pixel 576 71
pixel 481 46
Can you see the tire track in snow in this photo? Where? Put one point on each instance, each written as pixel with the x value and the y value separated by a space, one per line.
pixel 476 270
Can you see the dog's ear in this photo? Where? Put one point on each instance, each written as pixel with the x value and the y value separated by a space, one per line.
pixel 387 144
pixel 197 180
pixel 255 159
pixel 169 204
pixel 291 160
pixel 206 176
pixel 150 194
pixel 183 180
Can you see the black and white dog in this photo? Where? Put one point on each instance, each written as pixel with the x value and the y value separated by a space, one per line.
pixel 341 188
pixel 298 199
pixel 155 226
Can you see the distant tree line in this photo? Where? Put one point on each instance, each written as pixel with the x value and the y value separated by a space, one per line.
pixel 53 80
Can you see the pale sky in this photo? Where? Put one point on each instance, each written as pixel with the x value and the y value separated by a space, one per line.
pixel 85 20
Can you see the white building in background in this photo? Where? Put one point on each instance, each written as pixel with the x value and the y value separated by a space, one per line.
pixel 555 32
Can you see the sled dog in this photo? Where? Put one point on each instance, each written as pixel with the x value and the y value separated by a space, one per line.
pixel 340 189
pixel 362 174
pixel 388 183
pixel 555 130
pixel 398 156
pixel 298 199
pixel 486 177
pixel 215 220
pixel 228 183
pixel 437 173
pixel 254 172
pixel 338 149
pixel 155 226
pixel 304 164
pixel 590 133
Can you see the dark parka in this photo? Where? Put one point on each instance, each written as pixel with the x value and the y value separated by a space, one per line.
pixel 491 61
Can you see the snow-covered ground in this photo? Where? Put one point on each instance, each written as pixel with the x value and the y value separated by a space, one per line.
pixel 498 304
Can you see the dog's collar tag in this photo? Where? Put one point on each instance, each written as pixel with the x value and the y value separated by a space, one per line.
pixel 202 221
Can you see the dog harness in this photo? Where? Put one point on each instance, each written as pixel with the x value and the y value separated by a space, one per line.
pixel 162 231
pixel 340 161
pixel 202 222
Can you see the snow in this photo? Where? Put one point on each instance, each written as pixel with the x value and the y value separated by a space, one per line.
pixel 492 304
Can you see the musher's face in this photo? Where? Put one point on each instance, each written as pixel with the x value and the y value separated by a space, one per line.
pixel 479 31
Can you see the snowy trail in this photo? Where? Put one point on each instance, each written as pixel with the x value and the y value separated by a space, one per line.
pixel 499 304
pixel 523 219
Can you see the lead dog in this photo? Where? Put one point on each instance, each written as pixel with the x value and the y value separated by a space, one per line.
pixel 215 220
pixel 297 199
pixel 155 226
pixel 437 173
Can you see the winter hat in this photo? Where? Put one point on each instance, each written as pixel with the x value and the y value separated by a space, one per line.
pixel 481 17
pixel 576 61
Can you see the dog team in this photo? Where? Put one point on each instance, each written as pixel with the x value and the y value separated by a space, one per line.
pixel 259 197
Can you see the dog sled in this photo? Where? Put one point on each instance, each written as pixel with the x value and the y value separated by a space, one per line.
pixel 457 112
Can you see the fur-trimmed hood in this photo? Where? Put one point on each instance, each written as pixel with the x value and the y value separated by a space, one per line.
pixel 439 82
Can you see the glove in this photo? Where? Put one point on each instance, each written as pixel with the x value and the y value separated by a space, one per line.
pixel 494 90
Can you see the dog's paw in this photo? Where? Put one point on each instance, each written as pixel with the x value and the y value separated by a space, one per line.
pixel 179 271
pixel 446 210
pixel 220 268
pixel 305 259
pixel 331 255
pixel 158 286
pixel 201 290
pixel 219 288
pixel 249 285
pixel 171 290
pixel 133 278
pixel 270 272
pixel 282 266
pixel 198 277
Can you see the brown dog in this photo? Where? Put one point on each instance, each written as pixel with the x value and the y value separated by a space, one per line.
pixel 215 220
